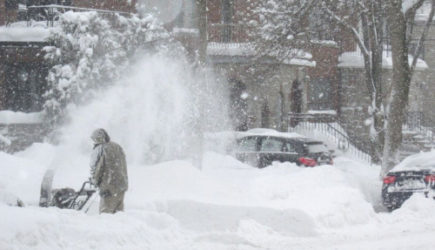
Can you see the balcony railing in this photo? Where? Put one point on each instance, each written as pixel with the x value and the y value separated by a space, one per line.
pixel 326 127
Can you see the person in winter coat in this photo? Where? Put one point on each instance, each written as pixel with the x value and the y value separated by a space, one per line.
pixel 109 172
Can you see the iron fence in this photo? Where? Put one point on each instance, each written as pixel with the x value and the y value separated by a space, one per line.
pixel 327 128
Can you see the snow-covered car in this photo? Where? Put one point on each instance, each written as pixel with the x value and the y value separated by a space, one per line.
pixel 415 174
pixel 262 147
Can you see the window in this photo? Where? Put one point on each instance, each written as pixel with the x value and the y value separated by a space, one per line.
pixel 288 147
pixel 248 144
pixel 320 94
pixel 271 145
pixel 24 86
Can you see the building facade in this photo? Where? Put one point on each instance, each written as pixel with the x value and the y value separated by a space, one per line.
pixel 24 29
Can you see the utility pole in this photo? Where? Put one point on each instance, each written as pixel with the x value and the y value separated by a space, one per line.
pixel 202 54
pixel 202 26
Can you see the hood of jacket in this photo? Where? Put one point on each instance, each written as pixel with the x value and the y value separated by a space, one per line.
pixel 100 136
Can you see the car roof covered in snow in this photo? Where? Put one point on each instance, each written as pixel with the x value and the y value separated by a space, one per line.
pixel 417 162
pixel 274 133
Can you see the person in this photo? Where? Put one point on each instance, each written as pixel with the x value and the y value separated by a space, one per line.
pixel 109 172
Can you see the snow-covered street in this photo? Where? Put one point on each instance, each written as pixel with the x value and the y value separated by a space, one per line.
pixel 226 205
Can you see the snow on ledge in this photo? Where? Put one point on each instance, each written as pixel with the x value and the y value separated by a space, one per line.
pixel 268 132
pixel 230 49
pixel 354 59
pixel 24 34
pixel 11 117
pixel 301 58
pixel 327 112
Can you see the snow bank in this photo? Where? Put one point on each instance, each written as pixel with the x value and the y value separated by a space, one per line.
pixel 226 205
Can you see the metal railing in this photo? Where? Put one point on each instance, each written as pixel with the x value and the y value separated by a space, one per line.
pixel 421 125
pixel 326 127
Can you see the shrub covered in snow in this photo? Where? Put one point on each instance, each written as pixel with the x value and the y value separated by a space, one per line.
pixel 91 50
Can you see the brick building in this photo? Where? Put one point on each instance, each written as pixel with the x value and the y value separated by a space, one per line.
pixel 260 89
pixel 24 27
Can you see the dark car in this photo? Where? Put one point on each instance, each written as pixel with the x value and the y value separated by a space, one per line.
pixel 262 149
pixel 415 174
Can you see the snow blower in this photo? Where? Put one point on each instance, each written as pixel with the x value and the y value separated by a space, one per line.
pixel 64 197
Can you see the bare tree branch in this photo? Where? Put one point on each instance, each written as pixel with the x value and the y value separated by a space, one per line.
pixel 410 13
pixel 423 36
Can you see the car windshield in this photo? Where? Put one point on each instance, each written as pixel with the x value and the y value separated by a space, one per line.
pixel 317 147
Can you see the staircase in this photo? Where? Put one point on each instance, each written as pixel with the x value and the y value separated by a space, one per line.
pixel 326 128
pixel 416 136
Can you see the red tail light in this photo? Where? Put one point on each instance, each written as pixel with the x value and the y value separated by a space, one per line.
pixel 307 162
pixel 429 178
pixel 389 179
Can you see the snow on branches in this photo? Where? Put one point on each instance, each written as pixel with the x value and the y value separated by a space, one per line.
pixel 282 26
pixel 91 50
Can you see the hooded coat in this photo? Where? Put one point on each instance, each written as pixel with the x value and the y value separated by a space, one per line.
pixel 108 165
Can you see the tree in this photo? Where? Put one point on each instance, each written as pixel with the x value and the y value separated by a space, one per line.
pixel 400 14
pixel 369 15
pixel 281 30
pixel 283 26
pixel 89 51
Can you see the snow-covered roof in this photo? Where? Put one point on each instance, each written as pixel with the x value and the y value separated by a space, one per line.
pixel 268 132
pixel 19 33
pixel 354 59
pixel 11 117
pixel 301 58
pixel 230 49
pixel 324 42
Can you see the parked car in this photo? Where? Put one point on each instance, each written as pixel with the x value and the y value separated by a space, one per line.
pixel 415 174
pixel 262 147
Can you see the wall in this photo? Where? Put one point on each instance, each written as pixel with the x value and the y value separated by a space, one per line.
pixel 8 11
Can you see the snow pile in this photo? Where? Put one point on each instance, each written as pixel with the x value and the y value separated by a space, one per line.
pixel 226 205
